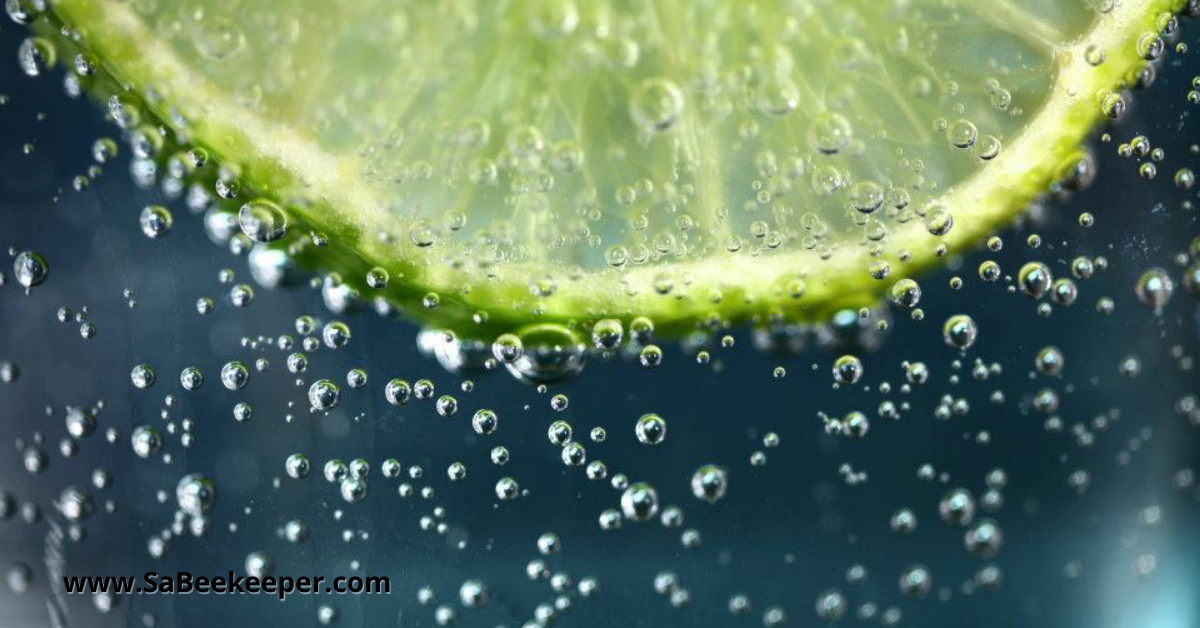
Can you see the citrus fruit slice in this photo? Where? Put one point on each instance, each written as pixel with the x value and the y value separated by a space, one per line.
pixel 493 164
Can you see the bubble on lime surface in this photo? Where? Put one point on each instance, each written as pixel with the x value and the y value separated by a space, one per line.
pixel 262 220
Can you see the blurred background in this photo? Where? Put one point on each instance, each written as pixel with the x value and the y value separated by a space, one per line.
pixel 1098 505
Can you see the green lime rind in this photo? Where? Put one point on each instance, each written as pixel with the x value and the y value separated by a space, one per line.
pixel 270 159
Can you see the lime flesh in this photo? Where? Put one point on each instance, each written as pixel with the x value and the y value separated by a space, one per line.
pixel 692 162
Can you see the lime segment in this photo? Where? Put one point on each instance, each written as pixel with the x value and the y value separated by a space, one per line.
pixel 505 163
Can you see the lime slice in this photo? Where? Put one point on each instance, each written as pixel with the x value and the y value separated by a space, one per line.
pixel 490 164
